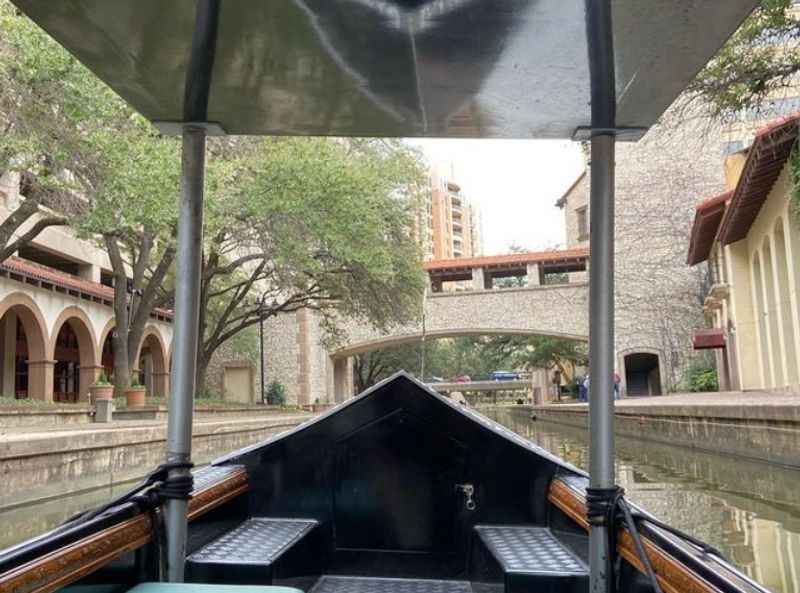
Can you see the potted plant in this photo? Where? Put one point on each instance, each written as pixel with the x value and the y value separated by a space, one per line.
pixel 101 388
pixel 134 395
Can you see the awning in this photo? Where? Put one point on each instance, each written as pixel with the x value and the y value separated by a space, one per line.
pixel 708 338
pixel 707 218
pixel 449 68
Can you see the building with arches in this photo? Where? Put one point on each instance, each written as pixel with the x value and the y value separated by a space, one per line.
pixel 750 237
pixel 57 320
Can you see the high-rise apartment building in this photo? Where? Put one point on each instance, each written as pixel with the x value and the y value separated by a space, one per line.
pixel 449 224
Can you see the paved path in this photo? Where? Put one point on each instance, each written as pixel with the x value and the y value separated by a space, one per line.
pixel 727 398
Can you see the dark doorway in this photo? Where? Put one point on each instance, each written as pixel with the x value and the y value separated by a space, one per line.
pixel 642 374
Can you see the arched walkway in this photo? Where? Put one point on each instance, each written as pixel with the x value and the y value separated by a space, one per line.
pixel 152 364
pixel 74 349
pixel 641 372
pixel 26 370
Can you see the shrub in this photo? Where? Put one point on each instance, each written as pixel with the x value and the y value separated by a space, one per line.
pixel 701 377
pixel 276 394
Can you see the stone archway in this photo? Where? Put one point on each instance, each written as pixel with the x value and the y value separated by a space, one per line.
pixel 641 372
pixel 73 348
pixel 152 363
pixel 27 372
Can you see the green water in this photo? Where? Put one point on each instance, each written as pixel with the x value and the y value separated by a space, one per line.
pixel 748 510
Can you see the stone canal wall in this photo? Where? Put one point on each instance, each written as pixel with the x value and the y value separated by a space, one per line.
pixel 44 464
pixel 751 430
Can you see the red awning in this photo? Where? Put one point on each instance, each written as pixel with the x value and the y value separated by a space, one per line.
pixel 707 339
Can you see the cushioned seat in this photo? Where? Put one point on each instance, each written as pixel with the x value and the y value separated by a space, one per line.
pixel 206 588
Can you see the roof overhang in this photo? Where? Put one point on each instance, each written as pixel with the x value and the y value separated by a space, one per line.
pixel 766 159
pixel 436 68
pixel 707 218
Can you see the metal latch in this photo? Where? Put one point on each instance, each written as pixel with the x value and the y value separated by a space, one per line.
pixel 469 495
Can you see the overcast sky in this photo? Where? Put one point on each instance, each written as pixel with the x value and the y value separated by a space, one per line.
pixel 515 183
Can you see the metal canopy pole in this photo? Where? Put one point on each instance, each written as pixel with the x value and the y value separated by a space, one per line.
pixel 184 365
pixel 601 277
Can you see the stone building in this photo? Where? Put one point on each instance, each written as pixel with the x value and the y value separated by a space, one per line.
pixel 57 321
pixel 750 236
pixel 657 296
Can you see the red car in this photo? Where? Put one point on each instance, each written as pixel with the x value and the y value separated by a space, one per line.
pixel 462 379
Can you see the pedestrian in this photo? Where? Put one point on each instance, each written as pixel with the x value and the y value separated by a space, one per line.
pixel 617 380
pixel 586 388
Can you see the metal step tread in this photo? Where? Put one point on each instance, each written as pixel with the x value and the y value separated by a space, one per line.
pixel 345 584
pixel 256 541
pixel 529 550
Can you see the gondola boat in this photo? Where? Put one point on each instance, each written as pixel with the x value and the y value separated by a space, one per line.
pixel 398 490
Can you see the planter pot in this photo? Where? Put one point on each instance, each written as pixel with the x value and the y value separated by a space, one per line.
pixel 134 397
pixel 101 392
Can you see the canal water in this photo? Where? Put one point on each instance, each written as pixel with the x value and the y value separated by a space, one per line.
pixel 750 511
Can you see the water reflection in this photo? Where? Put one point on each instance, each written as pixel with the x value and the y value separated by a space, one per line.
pixel 750 511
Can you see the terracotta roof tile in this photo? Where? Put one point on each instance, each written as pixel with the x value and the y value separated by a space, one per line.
pixel 766 159
pixel 62 279
pixel 552 255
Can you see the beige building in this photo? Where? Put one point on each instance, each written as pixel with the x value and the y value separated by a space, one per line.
pixel 450 224
pixel 57 321
pixel 750 237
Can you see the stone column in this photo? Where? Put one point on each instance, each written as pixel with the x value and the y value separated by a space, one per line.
pixel 88 375
pixel 161 385
pixel 9 333
pixel 534 275
pixel 40 379
pixel 781 292
pixel 791 239
pixel 342 379
pixel 478 282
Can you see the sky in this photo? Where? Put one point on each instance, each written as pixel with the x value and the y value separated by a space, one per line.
pixel 515 183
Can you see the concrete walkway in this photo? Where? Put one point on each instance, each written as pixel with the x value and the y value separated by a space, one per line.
pixel 744 405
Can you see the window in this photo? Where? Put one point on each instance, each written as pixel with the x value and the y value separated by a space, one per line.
pixel 583 223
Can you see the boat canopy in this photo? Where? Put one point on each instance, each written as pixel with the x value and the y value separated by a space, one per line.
pixel 436 68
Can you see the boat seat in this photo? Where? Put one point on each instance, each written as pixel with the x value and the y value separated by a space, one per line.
pixel 207 588
pixel 252 552
pixel 527 558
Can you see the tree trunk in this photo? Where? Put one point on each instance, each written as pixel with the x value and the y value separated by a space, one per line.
pixel 200 379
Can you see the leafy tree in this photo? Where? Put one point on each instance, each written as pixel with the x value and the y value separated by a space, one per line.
pixel 756 63
pixel 87 154
pixel 530 352
pixel 371 367
pixel 310 223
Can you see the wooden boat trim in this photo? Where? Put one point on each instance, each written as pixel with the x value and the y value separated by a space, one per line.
pixel 673 576
pixel 66 565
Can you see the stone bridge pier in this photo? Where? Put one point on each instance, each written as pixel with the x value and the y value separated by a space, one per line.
pixel 294 345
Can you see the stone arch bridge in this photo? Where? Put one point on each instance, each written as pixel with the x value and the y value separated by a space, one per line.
pixel 547 294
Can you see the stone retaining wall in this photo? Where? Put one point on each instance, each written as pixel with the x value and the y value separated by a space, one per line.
pixel 62 462
pixel 760 433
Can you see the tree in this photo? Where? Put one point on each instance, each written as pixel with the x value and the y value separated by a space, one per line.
pixel 371 367
pixel 34 71
pixel 83 151
pixel 310 223
pixel 531 352
pixel 756 63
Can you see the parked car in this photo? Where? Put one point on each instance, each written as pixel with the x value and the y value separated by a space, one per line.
pixel 462 379
pixel 505 376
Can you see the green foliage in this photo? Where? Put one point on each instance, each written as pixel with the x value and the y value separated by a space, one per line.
pixel 701 377
pixel 756 63
pixel 276 394
pixel 102 379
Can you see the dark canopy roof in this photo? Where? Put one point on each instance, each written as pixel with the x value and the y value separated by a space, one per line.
pixel 469 68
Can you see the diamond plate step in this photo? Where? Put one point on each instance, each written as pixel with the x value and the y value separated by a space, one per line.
pixel 337 584
pixel 256 541
pixel 529 550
